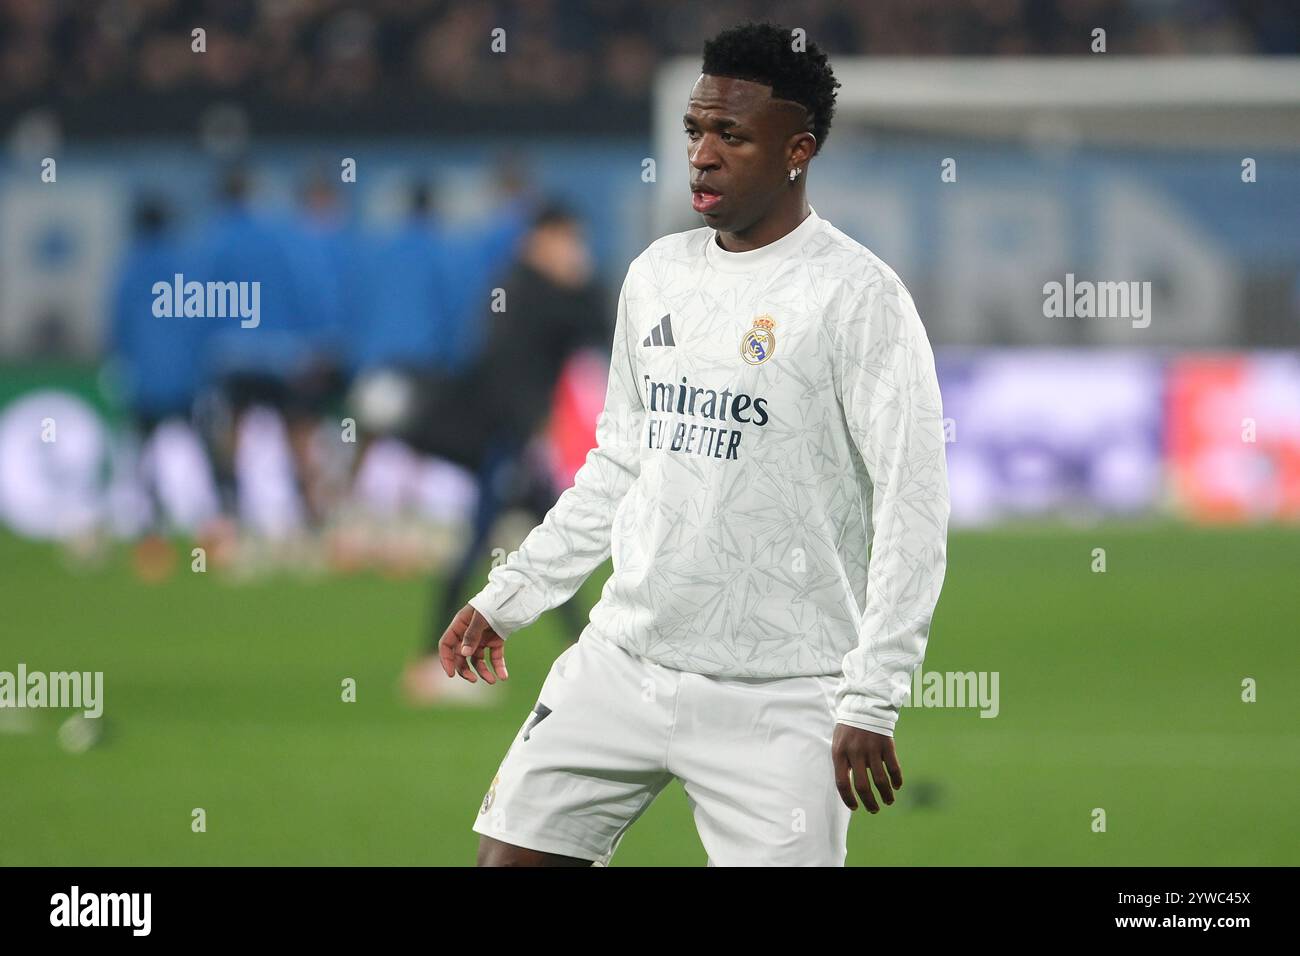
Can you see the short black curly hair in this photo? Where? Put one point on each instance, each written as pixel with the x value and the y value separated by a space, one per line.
pixel 763 53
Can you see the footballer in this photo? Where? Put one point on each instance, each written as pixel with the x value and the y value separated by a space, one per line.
pixel 769 479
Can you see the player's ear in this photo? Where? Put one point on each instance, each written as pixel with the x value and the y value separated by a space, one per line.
pixel 805 148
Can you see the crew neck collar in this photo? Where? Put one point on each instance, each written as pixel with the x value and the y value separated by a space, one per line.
pixel 764 256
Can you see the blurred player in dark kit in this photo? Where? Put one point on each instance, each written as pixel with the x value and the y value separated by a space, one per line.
pixel 486 417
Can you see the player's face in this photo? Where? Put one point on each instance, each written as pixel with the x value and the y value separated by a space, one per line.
pixel 739 142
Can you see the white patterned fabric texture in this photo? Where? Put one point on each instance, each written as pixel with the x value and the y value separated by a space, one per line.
pixel 769 475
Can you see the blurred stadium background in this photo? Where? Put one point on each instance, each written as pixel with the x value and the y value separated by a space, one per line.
pixel 1171 158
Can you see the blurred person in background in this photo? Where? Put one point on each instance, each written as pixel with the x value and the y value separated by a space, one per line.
pixel 405 280
pixel 487 416
pixel 424 282
pixel 325 249
pixel 477 254
pixel 157 360
pixel 250 370
pixel 164 477
pixel 424 290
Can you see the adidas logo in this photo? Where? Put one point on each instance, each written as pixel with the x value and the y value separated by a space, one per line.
pixel 661 334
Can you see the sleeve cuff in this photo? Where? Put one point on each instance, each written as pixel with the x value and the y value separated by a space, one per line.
pixel 481 604
pixel 866 713
pixel 882 727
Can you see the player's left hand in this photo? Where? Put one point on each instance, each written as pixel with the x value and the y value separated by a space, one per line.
pixel 861 751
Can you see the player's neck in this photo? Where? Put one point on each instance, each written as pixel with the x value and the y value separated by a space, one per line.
pixel 784 218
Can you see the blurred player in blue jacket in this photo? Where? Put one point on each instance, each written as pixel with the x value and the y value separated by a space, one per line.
pixel 288 361
pixel 162 476
pixel 157 360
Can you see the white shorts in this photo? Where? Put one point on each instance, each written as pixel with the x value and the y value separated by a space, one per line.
pixel 611 729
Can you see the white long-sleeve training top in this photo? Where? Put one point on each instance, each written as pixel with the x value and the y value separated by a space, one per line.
pixel 770 416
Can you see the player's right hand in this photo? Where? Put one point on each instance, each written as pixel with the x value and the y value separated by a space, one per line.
pixel 466 641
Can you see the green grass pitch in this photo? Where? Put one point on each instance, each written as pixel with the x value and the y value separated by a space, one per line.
pixel 1119 691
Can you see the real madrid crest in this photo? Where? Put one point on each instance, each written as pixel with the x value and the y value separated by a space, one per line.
pixel 759 342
